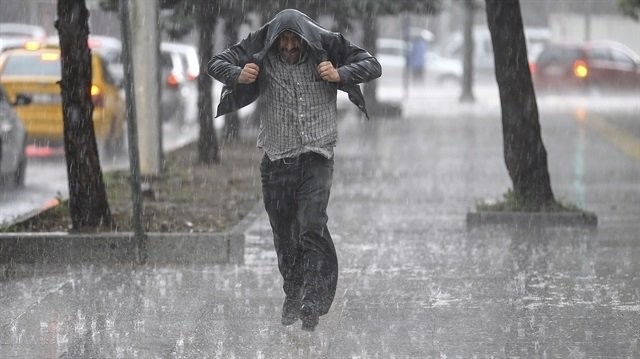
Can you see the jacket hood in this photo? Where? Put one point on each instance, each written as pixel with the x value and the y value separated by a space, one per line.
pixel 297 22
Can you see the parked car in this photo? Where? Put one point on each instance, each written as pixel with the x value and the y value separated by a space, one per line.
pixel 443 70
pixel 15 35
pixel 172 88
pixel 36 73
pixel 22 31
pixel 392 55
pixel 13 141
pixel 190 65
pixel 189 54
pixel 452 49
pixel 8 44
pixel 587 67
pixel 110 50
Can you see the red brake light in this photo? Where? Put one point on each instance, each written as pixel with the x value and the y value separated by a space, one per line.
pixel 93 43
pixel 192 76
pixel 580 69
pixel 172 80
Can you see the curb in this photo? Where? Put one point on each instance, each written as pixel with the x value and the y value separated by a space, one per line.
pixel 116 248
pixel 63 248
pixel 532 219
pixel 113 248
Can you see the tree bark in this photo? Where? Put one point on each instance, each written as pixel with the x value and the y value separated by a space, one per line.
pixel 232 119
pixel 88 204
pixel 207 139
pixel 524 152
pixel 370 30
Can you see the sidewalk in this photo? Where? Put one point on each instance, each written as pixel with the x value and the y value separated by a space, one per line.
pixel 414 282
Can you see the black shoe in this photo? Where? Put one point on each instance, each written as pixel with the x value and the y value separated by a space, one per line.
pixel 290 311
pixel 309 318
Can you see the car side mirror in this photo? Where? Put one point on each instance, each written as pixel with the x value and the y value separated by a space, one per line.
pixel 22 100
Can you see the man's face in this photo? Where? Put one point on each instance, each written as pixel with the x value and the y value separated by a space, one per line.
pixel 291 46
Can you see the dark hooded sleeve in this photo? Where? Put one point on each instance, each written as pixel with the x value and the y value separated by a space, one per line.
pixel 355 65
pixel 226 66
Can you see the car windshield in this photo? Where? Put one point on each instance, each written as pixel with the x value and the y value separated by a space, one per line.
pixel 559 54
pixel 32 65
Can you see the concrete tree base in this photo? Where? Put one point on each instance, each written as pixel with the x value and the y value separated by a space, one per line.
pixel 530 219
pixel 120 248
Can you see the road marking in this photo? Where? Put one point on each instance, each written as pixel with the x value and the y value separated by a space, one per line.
pixel 624 141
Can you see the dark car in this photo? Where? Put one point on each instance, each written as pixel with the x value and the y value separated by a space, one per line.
pixel 13 142
pixel 592 67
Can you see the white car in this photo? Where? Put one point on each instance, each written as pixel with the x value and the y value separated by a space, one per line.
pixel 189 54
pixel 452 49
pixel 22 31
pixel 392 55
pixel 190 68
pixel 13 35
pixel 13 142
pixel 443 70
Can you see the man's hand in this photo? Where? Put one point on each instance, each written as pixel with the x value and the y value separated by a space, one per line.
pixel 249 74
pixel 327 72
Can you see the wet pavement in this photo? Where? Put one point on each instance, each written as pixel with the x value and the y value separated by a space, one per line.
pixel 414 281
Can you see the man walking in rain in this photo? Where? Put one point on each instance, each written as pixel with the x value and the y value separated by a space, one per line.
pixel 296 67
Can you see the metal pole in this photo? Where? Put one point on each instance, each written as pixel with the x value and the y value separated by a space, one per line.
pixel 468 72
pixel 145 57
pixel 407 40
pixel 132 131
pixel 588 8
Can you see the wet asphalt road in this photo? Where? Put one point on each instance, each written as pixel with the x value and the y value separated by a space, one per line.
pixel 414 281
pixel 46 177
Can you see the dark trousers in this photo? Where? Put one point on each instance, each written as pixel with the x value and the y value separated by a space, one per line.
pixel 296 194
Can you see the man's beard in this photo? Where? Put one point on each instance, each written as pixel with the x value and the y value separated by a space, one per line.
pixel 291 56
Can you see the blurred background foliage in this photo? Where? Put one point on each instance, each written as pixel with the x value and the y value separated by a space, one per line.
pixel 180 15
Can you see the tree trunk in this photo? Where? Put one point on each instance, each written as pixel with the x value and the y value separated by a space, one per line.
pixel 88 204
pixel 370 30
pixel 524 152
pixel 232 120
pixel 207 139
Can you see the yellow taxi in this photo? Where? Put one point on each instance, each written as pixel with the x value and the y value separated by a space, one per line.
pixel 35 72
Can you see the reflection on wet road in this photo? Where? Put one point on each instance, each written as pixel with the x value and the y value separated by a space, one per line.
pixel 626 142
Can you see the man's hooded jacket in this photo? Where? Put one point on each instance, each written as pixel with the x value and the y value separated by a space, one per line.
pixel 354 64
